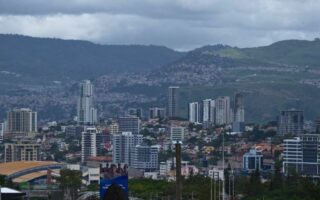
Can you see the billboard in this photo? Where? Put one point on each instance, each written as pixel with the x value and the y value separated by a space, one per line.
pixel 114 183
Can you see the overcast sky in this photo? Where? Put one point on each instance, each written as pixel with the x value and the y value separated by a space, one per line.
pixel 179 24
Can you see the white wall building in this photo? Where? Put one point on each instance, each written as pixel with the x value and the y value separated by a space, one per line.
pixel 223 111
pixel 86 112
pixel 194 112
pixel 123 147
pixel 89 143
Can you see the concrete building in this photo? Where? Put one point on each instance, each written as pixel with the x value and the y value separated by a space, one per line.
pixel 173 101
pixel 21 152
pixel 223 111
pixel 21 122
pixel 129 124
pixel 156 112
pixel 238 108
pixel 123 147
pixel 2 129
pixel 252 160
pixel 146 158
pixel 137 112
pixel 177 134
pixel 208 111
pixel 302 154
pixel 291 122
pixel 90 143
pixel 194 112
pixel 86 112
pixel 114 128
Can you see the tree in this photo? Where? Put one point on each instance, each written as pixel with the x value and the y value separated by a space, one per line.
pixel 255 187
pixel 70 183
pixel 276 181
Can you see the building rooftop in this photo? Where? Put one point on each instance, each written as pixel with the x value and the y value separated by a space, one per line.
pixel 15 167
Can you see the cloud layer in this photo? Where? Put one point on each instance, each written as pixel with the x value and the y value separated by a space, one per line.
pixel 180 24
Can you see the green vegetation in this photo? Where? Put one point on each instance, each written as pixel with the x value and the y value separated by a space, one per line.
pixel 249 188
pixel 70 182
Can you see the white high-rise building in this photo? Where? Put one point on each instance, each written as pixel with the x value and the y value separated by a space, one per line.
pixel 223 112
pixel 194 112
pixel 86 112
pixel 90 143
pixel 2 127
pixel 177 134
pixel 301 154
pixel 123 147
pixel 208 111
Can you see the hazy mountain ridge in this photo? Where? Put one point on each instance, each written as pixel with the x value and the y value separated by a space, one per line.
pixel 57 59
pixel 137 75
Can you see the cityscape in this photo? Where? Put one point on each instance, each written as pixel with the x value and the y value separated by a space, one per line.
pixel 216 143
pixel 159 100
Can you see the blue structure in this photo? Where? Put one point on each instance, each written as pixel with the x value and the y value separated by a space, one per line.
pixel 252 160
pixel 107 184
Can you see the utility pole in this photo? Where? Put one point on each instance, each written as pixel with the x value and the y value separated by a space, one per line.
pixel 211 188
pixel 223 180
pixel 178 171
pixel 215 192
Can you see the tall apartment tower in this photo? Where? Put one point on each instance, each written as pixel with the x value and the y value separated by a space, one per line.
pixel 194 112
pixel 146 157
pixel 2 129
pixel 21 152
pixel 156 112
pixel 208 111
pixel 302 154
pixel 291 122
pixel 223 112
pixel 238 108
pixel 173 101
pixel 129 124
pixel 124 147
pixel 21 121
pixel 86 112
pixel 90 143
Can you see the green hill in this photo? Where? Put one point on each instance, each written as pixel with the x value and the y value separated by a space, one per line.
pixel 56 59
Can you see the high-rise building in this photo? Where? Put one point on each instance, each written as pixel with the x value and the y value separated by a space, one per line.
pixel 194 112
pixel 317 125
pixel 177 134
pixel 173 101
pixel 21 152
pixel 291 122
pixel 138 112
pixel 114 128
pixel 156 112
pixel 208 111
pixel 302 154
pixel 146 157
pixel 86 112
pixel 252 160
pixel 238 108
pixel 129 124
pixel 123 147
pixel 223 112
pixel 2 127
pixel 90 143
pixel 21 122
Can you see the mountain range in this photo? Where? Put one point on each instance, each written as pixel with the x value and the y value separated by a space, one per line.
pixel 279 76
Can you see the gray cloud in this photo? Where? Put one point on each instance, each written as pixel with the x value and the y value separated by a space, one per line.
pixel 180 24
